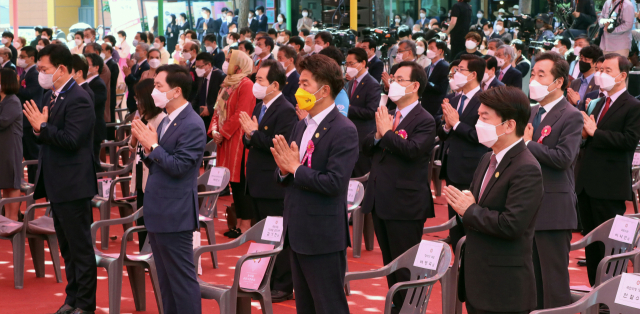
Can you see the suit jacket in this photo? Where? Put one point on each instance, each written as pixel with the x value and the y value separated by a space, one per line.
pixel 575 85
pixel 291 87
pixel 217 76
pixel 363 105
pixel 500 233
pixel 557 156
pixel 200 28
pixel 115 72
pixel 605 168
pixel 217 23
pixel 254 25
pixel 436 87
pixel 171 194
pixel 224 31
pixel 255 64
pixel 92 96
pixel 315 198
pixel 262 23
pixel 218 58
pixel 30 89
pixel 131 80
pixel 398 187
pixel 494 83
pixel 461 148
pixel 99 89
pixel 66 163
pixel 14 54
pixel 376 67
pixel 9 65
pixel 279 119
pixel 512 77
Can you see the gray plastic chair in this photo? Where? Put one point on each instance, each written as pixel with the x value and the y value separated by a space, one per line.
pixel 25 186
pixel 420 288
pixel 635 186
pixel 114 149
pixel 135 264
pixel 211 149
pixel 208 207
pixel 36 232
pixel 234 299
pixel 362 224
pixel 12 230
pixel 605 294
pixel 443 227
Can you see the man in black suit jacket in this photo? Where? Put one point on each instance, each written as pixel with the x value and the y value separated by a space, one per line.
pixel 211 47
pixel 508 75
pixel 287 57
pixel 499 210
pixel 264 45
pixel 5 59
pixel 556 149
pixel 315 195
pixel 79 74
pixel 398 193
pixel 7 41
pixel 490 80
pixel 65 172
pixel 262 20
pixel 132 74
pixel 209 79
pixel 461 150
pixel 206 24
pixel 374 64
pixel 30 89
pixel 99 89
pixel 611 136
pixel 107 50
pixel 253 22
pixel 274 115
pixel 437 76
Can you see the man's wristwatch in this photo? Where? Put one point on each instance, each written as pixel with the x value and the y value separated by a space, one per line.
pixel 153 147
pixel 42 126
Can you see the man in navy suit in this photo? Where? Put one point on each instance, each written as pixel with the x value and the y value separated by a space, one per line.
pixel 66 174
pixel 437 76
pixel 398 193
pixel 490 80
pixel 218 24
pixel 132 74
pixel 287 57
pixel 5 59
pixel 461 150
pixel 253 22
pixel 29 90
pixel 374 64
pixel 209 78
pixel 212 48
pixel 315 197
pixel 99 88
pixel 264 46
pixel 262 19
pixel 206 25
pixel 364 98
pixel 272 116
pixel 423 21
pixel 224 28
pixel 508 75
pixel 173 154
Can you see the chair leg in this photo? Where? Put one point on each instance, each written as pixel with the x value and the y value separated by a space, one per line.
pixel 136 280
pixel 445 283
pixel 243 305
pixel 265 302
pixel 52 242
pixel 368 232
pixel 124 212
pixel 18 260
pixel 211 237
pixel 635 201
pixel 153 274
pixel 105 214
pixel 114 271
pixel 215 209
pixel 358 222
pixel 36 246
pixel 347 284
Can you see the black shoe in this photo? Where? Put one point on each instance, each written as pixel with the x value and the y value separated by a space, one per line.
pixel 582 262
pixel 235 233
pixel 81 311
pixel 65 309
pixel 20 216
pixel 226 234
pixel 280 296
pixel 226 191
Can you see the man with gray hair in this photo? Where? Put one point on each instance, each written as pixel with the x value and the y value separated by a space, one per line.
pixel 5 59
pixel 493 45
pixel 133 71
pixel 406 52
pixel 509 75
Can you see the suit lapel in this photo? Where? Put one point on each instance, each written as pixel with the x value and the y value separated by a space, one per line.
pixel 410 116
pixel 551 118
pixel 614 107
pixel 504 163
pixel 324 126
pixel 174 124
pixel 60 100
pixel 271 109
pixel 472 104
pixel 534 112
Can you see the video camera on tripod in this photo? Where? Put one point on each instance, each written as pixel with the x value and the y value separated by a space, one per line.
pixel 343 39
pixel 384 37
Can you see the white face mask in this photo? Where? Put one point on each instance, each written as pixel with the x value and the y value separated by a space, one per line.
pixel 44 37
pixel 200 72
pixel 485 77
pixel 607 82
pixel 87 40
pixel 259 91
pixel 135 42
pixel 352 72
pixel 22 63
pixel 4 41
pixel 305 14
pixel 596 78
pixel 306 49
pixel 103 56
pixel 258 51
pixel 538 91
pixel 181 41
pixel 46 80
pixel 460 79
pixel 576 51
pixel 284 64
pixel 398 57
pixel 500 61
pixel 498 28
pixel 78 42
pixel 470 44
pixel 280 39
pixel 209 49
pixel 431 54
pixel 17 44
pixel 487 133
pixel 487 33
pixel 186 56
pixel 555 49
pixel 452 85
pixel 490 52
pixel 397 21
pixel 422 15
pixel 157 45
pixel 160 98
pixel 482 47
pixel 397 91
pixel 280 20
pixel 479 15
pixel 225 67
pixel 154 63
pixel 318 48
pixel 419 50
pixel 229 19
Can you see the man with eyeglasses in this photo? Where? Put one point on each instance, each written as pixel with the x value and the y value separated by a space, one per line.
pixel 406 52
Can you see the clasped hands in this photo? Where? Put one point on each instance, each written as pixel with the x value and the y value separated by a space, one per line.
pixel 384 122
pixel 450 114
pixel 460 201
pixel 248 124
pixel 287 157
pixel 33 114
pixel 145 134
pixel 590 125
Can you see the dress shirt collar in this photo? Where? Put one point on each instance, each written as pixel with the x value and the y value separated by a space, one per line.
pixel 5 63
pixel 505 69
pixel 29 68
pixel 405 111
pixel 616 95
pixel 503 152
pixel 89 79
pixel 588 78
pixel 209 75
pixel 552 104
pixel 371 58
pixel 105 61
pixel 359 78
pixel 266 57
pixel 289 73
pixel 82 83
pixel 63 85
pixel 317 119
pixel 472 92
pixel 272 100
pixel 176 112
pixel 433 64
pixel 141 62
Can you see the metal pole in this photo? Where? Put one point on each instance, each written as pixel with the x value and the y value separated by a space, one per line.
pixel 142 12
pixel 15 18
pixel 160 18
pixel 189 14
pixel 104 27
pixel 353 14
pixel 289 22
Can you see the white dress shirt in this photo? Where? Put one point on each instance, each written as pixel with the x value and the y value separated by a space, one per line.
pixel 547 108
pixel 499 157
pixel 504 71
pixel 268 104
pixel 403 113
pixel 105 61
pixel 289 73
pixel 89 79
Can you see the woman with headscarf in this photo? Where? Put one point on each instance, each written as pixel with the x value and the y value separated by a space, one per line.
pixel 235 96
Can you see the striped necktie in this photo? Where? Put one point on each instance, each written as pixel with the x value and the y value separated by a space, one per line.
pixel 53 100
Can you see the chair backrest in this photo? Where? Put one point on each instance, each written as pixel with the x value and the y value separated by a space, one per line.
pixel 434 153
pixel 358 196
pixel 208 203
pixel 11 200
pixel 110 222
pixel 362 179
pixel 210 147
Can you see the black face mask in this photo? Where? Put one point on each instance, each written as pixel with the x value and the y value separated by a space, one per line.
pixel 584 66
pixel 539 25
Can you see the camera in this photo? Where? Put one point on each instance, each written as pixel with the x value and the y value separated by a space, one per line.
pixel 384 37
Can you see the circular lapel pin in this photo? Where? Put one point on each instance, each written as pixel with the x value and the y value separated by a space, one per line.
pixel 266 127
pixel 497 174
pixel 317 135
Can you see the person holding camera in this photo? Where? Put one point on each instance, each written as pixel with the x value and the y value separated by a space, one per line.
pixel 619 16
pixel 583 17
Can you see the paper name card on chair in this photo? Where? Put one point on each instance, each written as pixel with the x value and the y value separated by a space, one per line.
pixel 353 189
pixel 428 255
pixel 253 270
pixel 629 291
pixel 636 159
pixel 273 227
pixel 623 229
pixel 215 177
pixel 104 185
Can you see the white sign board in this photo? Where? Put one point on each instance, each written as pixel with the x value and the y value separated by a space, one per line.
pixel 125 16
pixel 624 229
pixel 636 159
pixel 273 228
pixel 629 291
pixel 104 186
pixel 353 189
pixel 215 177
pixel 428 255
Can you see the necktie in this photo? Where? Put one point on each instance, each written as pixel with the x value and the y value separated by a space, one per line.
pixel 605 109
pixel 484 86
pixel 501 75
pixel 430 69
pixel 353 88
pixel 600 95
pixel 397 120
pixel 52 101
pixel 262 111
pixel 202 95
pixel 538 118
pixel 461 105
pixel 487 176
pixel 163 127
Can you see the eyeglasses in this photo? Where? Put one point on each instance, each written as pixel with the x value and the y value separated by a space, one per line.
pixel 461 70
pixel 399 51
pixel 351 64
pixel 400 81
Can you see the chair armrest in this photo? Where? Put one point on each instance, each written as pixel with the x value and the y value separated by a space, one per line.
pixel 116 173
pixel 29 163
pixel 408 285
pixel 125 235
pixel 359 275
pixel 19 199
pixel 207 193
pixel 603 265
pixel 110 222
pixel 29 213
pixel 580 244
pixel 251 256
pixel 443 227
pixel 113 144
pixel 112 188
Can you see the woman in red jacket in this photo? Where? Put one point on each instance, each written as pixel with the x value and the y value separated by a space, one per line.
pixel 236 95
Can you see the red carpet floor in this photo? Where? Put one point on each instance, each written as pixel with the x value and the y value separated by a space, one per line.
pixel 44 295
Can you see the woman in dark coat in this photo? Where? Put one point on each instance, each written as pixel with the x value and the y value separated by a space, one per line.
pixel 172 34
pixel 11 171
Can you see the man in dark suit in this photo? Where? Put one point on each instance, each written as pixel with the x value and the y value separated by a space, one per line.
pixel 490 80
pixel 507 74
pixel 107 50
pixel 99 88
pixel 274 115
pixel 461 150
pixel 262 20
pixel 209 80
pixel 65 172
pixel 5 59
pixel 398 193
pixel 132 73
pixel 7 41
pixel 584 83
pixel 30 89
pixel 437 76
pixel 364 99
pixel 499 210
pixel 375 66
pixel 611 136
pixel 315 196
pixel 253 21
pixel 173 154
pixel 224 28
pixel 206 25
pixel 556 149
pixel 264 46
pixel 287 57
pixel 212 48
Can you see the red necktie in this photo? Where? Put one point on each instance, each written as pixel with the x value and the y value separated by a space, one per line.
pixel 397 120
pixel 501 75
pixel 353 90
pixel 493 163
pixel 605 109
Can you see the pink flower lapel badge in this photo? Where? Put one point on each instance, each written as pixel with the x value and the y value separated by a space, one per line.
pixel 544 133
pixel 402 134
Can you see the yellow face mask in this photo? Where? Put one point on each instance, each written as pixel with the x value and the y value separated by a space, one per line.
pixel 306 100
